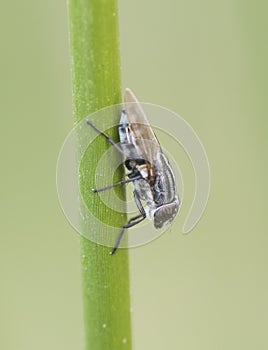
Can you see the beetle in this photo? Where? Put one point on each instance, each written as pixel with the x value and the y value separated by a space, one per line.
pixel 149 170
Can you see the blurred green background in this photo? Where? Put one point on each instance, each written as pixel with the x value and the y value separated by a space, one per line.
pixel 207 61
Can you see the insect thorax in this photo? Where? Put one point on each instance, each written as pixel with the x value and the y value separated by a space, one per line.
pixel 164 185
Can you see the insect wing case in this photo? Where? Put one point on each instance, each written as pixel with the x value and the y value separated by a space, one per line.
pixel 136 135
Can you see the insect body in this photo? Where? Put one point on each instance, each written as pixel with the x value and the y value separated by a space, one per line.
pixel 149 169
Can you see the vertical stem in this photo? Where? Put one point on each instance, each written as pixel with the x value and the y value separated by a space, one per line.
pixel 94 43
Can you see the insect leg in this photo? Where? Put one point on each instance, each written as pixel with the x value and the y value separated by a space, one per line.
pixel 132 222
pixel 117 184
pixel 139 218
pixel 138 203
pixel 112 142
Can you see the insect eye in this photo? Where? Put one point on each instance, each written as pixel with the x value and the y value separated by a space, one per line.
pixel 165 214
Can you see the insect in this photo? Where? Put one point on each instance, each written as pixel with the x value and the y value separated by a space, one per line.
pixel 149 170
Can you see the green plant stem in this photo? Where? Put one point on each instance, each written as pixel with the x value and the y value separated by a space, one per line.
pixel 96 84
